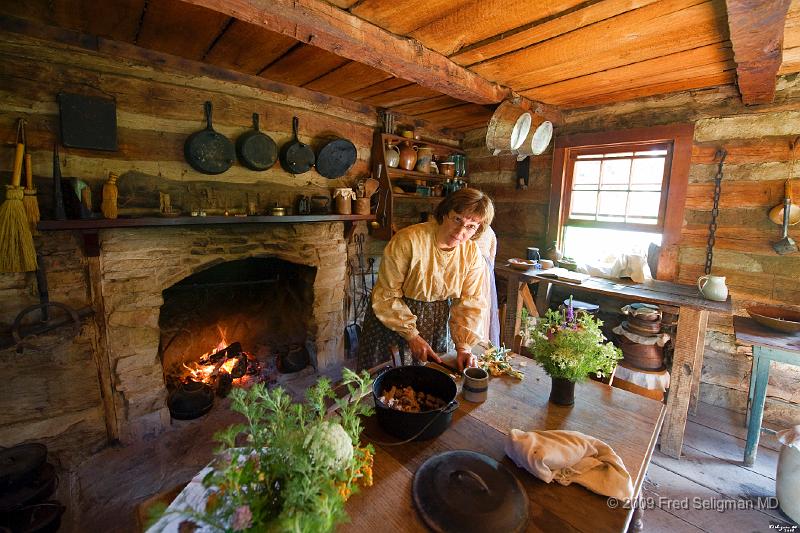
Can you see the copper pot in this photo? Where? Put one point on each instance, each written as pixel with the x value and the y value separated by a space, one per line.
pixel 408 156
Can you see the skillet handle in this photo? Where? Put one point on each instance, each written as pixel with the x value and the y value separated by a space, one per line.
pixel 208 109
pixel 255 121
pixel 295 124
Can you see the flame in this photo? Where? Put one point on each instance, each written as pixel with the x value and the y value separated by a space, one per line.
pixel 198 372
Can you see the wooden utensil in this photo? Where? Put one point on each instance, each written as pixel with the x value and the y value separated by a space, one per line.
pixel 370 186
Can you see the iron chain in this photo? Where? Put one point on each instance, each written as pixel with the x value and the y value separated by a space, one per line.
pixel 712 226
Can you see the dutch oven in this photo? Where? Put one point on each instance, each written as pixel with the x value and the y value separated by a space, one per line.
pixel 425 424
pixel 190 400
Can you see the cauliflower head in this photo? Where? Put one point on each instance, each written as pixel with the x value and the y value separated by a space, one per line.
pixel 329 445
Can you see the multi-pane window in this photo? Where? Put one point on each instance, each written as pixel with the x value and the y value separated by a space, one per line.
pixel 621 188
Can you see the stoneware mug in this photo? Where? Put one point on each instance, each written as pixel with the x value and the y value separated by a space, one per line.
pixel 476 384
pixel 713 287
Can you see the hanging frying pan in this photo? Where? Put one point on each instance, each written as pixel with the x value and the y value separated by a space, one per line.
pixel 336 158
pixel 256 150
pixel 296 157
pixel 208 151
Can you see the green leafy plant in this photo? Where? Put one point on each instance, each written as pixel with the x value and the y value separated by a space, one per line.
pixel 571 346
pixel 299 463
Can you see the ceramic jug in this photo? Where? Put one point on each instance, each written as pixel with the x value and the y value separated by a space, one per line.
pixel 713 287
pixel 408 156
pixel 424 158
pixel 392 155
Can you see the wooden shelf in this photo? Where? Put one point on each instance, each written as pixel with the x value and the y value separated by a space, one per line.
pixel 437 146
pixel 102 223
pixel 399 173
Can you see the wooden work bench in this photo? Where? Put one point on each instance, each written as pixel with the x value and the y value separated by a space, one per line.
pixel 685 301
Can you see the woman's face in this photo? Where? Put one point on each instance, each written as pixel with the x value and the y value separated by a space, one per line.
pixel 456 229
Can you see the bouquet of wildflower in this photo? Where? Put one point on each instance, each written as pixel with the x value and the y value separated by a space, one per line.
pixel 571 346
pixel 298 466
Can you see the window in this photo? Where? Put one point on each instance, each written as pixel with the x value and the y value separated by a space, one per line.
pixel 619 191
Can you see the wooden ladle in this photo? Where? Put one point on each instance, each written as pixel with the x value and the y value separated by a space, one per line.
pixel 776 213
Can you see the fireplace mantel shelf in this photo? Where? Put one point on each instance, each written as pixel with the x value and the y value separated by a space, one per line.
pixel 90 228
pixel 102 223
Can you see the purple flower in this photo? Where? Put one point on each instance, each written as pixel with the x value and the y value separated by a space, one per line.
pixel 570 311
pixel 242 518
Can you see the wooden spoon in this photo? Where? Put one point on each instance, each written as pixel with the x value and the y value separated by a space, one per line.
pixel 776 213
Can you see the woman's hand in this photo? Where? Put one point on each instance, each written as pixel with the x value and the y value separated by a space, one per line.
pixel 421 350
pixel 466 359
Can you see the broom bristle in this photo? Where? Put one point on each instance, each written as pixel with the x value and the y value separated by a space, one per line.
pixel 31 209
pixel 17 253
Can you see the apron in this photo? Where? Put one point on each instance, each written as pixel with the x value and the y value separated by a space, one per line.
pixel 378 343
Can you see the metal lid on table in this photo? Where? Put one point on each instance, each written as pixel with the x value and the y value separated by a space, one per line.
pixel 464 491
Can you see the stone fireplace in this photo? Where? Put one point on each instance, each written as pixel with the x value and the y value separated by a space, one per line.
pixel 168 292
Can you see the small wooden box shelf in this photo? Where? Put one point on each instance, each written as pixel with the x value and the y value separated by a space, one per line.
pixel 389 176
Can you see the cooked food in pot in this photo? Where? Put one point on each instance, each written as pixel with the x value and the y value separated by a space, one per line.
pixel 410 401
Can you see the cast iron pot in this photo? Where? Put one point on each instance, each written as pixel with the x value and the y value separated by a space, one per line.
pixel 405 425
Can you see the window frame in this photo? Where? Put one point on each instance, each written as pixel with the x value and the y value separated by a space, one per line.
pixel 673 195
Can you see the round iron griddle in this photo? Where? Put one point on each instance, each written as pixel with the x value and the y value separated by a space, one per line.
pixel 464 491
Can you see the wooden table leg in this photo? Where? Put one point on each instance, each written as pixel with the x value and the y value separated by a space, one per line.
pixel 687 360
pixel 761 369
pixel 697 368
pixel 750 391
pixel 513 310
pixel 543 294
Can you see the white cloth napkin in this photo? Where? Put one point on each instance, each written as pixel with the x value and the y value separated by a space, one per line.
pixel 570 456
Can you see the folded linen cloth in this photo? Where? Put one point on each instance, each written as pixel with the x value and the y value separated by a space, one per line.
pixel 570 456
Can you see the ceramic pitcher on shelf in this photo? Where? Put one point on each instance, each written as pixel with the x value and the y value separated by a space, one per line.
pixel 408 156
pixel 713 287
pixel 392 155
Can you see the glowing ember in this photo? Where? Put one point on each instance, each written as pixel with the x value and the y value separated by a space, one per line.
pixel 223 359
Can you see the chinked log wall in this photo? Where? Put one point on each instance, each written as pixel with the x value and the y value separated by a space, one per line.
pixel 757 141
pixel 54 396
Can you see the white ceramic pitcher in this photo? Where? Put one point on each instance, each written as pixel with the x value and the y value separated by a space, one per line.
pixel 713 287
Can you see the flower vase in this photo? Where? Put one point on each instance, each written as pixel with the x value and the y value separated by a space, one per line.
pixel 562 391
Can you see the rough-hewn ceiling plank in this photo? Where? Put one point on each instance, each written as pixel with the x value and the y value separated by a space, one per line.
pixel 485 19
pixel 348 78
pixel 302 64
pixel 539 31
pixel 650 32
pixel 404 16
pixel 756 29
pixel 179 29
pixel 330 28
pixel 248 48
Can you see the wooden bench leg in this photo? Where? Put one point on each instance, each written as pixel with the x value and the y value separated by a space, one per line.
pixel 761 368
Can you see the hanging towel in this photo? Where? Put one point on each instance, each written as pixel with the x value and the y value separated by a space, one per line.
pixel 570 456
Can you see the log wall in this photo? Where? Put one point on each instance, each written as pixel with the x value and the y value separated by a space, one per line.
pixel 159 101
pixel 758 162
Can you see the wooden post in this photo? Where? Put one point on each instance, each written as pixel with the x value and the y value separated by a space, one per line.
pixel 101 354
pixel 513 310
pixel 686 360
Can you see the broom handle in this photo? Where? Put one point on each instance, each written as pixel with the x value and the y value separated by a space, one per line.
pixel 16 176
pixel 28 172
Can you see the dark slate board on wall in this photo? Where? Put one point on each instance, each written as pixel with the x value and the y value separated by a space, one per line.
pixel 88 122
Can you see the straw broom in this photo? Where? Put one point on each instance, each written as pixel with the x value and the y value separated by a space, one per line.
pixel 17 253
pixel 29 198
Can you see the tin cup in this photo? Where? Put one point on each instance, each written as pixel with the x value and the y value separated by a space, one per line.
pixel 476 384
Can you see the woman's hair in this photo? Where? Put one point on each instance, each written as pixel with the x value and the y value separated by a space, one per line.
pixel 468 202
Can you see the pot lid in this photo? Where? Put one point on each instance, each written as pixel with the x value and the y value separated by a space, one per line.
pixel 465 491
pixel 19 463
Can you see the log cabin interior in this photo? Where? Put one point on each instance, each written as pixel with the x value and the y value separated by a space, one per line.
pixel 543 106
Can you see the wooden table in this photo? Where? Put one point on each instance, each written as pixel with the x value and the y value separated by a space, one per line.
pixel 687 361
pixel 768 345
pixel 629 423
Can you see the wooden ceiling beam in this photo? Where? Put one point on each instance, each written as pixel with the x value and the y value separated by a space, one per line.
pixel 326 26
pixel 756 32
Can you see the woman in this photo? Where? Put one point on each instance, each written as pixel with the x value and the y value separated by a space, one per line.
pixel 431 277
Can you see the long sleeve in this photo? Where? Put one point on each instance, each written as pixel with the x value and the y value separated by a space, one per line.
pixel 466 317
pixel 387 294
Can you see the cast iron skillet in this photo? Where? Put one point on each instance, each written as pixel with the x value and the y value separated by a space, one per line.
pixel 296 157
pixel 336 158
pixel 256 150
pixel 208 151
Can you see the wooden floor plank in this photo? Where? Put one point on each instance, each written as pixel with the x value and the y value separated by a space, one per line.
pixel 732 423
pixel 693 503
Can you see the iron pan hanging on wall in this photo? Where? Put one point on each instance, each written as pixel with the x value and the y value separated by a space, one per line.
pixel 296 157
pixel 208 151
pixel 256 150
pixel 336 158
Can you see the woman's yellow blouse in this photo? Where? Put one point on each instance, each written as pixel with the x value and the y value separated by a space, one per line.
pixel 412 266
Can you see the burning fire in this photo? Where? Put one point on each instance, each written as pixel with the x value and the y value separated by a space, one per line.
pixel 198 371
pixel 225 359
